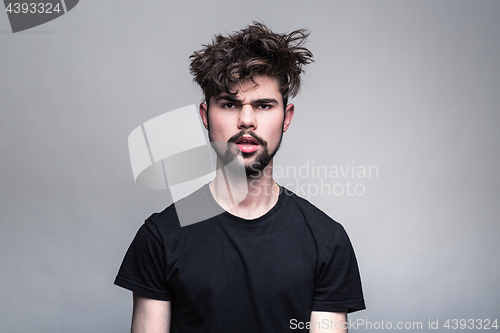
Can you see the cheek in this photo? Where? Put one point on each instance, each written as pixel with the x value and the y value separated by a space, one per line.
pixel 277 125
pixel 273 133
pixel 218 126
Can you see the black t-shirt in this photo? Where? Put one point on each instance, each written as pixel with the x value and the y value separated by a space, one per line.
pixel 229 274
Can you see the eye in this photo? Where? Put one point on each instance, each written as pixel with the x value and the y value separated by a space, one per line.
pixel 228 106
pixel 265 106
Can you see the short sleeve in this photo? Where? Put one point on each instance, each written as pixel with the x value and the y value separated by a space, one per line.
pixel 337 281
pixel 143 268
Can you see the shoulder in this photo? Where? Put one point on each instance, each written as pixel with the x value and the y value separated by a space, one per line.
pixel 316 219
pixel 162 222
pixel 180 219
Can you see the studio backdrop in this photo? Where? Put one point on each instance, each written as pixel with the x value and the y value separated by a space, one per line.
pixel 395 135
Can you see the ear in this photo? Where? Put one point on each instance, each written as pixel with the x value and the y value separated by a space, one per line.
pixel 290 108
pixel 204 114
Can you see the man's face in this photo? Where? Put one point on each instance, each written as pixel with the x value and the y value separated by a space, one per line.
pixel 254 120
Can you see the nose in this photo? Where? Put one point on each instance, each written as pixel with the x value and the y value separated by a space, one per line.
pixel 247 118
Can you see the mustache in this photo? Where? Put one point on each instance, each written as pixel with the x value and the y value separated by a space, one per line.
pixel 237 136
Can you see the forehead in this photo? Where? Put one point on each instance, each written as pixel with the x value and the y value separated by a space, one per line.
pixel 262 86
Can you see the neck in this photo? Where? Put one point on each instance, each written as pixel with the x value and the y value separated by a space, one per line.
pixel 246 197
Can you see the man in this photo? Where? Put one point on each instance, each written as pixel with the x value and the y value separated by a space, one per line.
pixel 271 262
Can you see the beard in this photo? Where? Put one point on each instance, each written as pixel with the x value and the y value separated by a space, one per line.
pixel 261 159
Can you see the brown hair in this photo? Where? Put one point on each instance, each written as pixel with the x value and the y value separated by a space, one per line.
pixel 255 50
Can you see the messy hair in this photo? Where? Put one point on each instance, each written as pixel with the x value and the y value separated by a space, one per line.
pixel 252 51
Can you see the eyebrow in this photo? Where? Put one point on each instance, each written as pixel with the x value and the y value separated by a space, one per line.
pixel 265 101
pixel 231 99
pixel 227 98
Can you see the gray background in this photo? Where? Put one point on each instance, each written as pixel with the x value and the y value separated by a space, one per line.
pixel 411 87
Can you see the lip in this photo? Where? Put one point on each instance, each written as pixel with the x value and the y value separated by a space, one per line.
pixel 247 144
pixel 246 139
